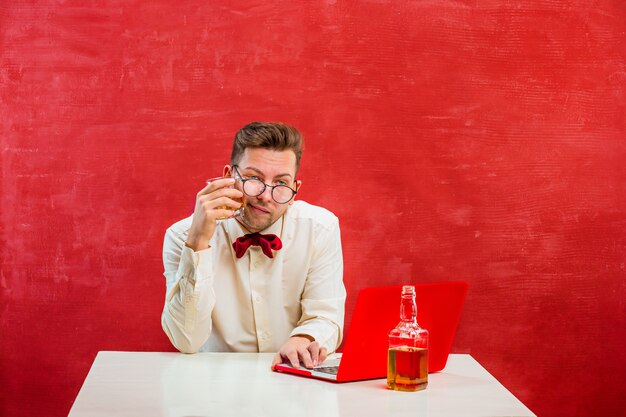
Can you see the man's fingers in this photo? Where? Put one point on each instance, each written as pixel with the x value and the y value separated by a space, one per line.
pixel 314 350
pixel 277 359
pixel 293 358
pixel 220 203
pixel 323 354
pixel 214 184
pixel 232 193
pixel 306 357
pixel 300 350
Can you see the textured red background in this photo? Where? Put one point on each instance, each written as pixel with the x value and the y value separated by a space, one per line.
pixel 474 140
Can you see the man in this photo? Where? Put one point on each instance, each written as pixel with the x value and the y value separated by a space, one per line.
pixel 267 280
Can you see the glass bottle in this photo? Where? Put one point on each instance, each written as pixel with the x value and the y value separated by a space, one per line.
pixel 407 360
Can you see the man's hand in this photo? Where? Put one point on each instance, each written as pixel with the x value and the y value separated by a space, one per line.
pixel 213 202
pixel 300 349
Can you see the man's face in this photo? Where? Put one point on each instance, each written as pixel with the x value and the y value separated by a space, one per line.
pixel 272 168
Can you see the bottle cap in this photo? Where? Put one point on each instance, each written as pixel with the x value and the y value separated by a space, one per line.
pixel 408 290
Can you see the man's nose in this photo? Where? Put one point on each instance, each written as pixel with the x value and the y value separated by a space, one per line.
pixel 266 195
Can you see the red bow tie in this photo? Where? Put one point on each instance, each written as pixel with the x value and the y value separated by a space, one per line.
pixel 266 242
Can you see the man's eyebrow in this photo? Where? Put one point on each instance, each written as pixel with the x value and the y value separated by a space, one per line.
pixel 258 171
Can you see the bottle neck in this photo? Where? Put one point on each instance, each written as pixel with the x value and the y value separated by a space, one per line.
pixel 408 309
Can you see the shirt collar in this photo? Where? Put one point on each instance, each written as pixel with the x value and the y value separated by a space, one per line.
pixel 234 229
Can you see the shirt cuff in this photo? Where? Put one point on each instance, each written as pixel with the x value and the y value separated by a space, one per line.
pixel 195 266
pixel 324 337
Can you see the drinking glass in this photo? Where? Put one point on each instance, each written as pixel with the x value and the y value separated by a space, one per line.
pixel 238 185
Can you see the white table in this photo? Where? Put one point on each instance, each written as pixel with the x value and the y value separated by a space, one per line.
pixel 149 384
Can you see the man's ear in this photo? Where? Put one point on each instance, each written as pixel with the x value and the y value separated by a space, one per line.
pixel 228 171
pixel 298 186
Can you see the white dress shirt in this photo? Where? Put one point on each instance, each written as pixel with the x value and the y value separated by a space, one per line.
pixel 216 302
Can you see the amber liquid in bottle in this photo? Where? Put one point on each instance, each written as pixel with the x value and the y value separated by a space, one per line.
pixel 407 360
pixel 407 368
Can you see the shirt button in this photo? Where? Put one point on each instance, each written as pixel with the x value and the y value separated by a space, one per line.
pixel 258 299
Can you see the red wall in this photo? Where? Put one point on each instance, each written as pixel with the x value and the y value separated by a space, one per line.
pixel 474 140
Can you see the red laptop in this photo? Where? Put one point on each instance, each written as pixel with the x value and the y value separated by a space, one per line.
pixel 376 312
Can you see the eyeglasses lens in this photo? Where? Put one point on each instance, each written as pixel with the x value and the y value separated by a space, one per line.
pixel 253 187
pixel 280 193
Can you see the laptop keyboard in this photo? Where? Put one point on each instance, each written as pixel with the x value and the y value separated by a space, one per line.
pixel 331 365
pixel 328 369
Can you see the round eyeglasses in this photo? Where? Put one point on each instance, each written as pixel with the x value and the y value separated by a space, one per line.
pixel 254 187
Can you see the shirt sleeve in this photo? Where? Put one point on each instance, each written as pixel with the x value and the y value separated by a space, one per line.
pixel 190 298
pixel 324 294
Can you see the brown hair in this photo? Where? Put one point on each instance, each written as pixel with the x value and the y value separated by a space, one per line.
pixel 268 135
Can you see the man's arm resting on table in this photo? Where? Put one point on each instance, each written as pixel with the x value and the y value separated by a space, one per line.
pixel 186 318
pixel 319 330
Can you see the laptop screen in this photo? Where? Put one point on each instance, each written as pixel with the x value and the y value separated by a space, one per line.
pixel 377 311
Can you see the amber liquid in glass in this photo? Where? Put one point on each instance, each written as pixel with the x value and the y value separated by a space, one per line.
pixel 238 200
pixel 407 368
pixel 237 211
